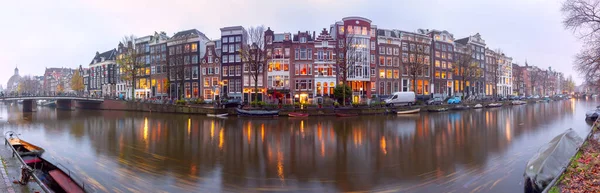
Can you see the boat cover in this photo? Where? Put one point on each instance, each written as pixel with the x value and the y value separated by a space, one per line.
pixel 550 159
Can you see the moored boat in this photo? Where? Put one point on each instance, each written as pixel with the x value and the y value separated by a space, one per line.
pixel 478 106
pixel 217 115
pixel 23 147
pixel 346 114
pixel 438 110
pixel 257 113
pixel 518 102
pixel 459 107
pixel 493 105
pixel 548 163
pixel 410 111
pixel 53 177
pixel 295 114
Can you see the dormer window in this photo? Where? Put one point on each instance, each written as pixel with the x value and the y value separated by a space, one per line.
pixel 101 59
pixel 325 43
pixel 302 39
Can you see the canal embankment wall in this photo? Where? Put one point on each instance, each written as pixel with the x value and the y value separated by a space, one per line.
pixel 120 105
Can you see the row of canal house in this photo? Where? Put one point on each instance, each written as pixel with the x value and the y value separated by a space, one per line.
pixel 303 66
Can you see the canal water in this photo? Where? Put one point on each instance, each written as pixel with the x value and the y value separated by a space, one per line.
pixel 481 150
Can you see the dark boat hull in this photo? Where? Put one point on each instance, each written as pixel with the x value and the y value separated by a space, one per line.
pixel 52 176
pixel 258 113
pixel 298 114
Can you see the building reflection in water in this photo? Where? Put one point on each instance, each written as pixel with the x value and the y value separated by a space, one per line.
pixel 313 155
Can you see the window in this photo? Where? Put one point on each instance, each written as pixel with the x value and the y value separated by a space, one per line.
pixel 443 55
pixel 372 58
pixel 372 72
pixel 396 74
pixel 450 56
pixel 231 58
pixel 186 72
pixel 303 53
pixel 381 88
pixel 396 61
pixel 381 61
pixel 225 71
pixel 405 57
pixel 302 39
pixel 225 48
pixel 443 64
pixel 404 46
pixel 297 54
pixel 412 58
pixel 195 59
pixel 426 50
pixel 231 48
pixel 238 58
pixel 231 39
pixel 325 43
pixel 238 39
pixel 449 65
pixel 238 70
pixel 310 54
pixel 287 52
pixel 381 73
pixel 389 51
pixel 426 60
pixel 413 47
pixel 381 50
pixel 437 54
pixel 364 31
pixel 224 40
pixel 388 61
pixel 195 72
pixel 237 47
pixel 396 51
pixel 443 75
pixel 194 47
pixel 443 47
pixel 372 45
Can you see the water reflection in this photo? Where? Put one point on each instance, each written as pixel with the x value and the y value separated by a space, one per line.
pixel 123 151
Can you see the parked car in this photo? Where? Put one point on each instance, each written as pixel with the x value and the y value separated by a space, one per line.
pixel 400 98
pixel 535 97
pixel 231 103
pixel 514 97
pixel 454 100
pixel 435 101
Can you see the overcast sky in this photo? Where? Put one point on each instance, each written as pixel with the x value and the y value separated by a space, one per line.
pixel 67 33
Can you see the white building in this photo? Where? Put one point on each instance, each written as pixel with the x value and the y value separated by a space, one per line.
pixel 324 66
pixel 504 85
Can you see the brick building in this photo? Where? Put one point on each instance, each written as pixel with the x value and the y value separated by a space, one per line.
pixel 301 73
pixel 232 38
pixel 416 51
pixel 388 62
pixel 103 77
pixel 279 64
pixel 476 45
pixel 184 51
pixel 210 67
pixel 158 65
pixel 442 59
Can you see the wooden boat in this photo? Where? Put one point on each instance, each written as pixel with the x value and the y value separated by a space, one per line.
pixel 438 110
pixel 23 147
pixel 409 111
pixel 478 106
pixel 294 114
pixel 257 113
pixel 217 115
pixel 493 105
pixel 53 177
pixel 346 114
pixel 459 107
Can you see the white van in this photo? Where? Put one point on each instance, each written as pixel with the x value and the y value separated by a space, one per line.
pixel 401 98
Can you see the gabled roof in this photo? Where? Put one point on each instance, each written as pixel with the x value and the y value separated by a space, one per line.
pixel 187 33
pixel 108 55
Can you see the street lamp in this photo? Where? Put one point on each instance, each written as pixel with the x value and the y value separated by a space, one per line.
pixel 361 93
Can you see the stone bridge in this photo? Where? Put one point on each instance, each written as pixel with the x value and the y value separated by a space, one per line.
pixel 62 102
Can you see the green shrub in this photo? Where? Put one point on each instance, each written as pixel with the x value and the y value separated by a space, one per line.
pixel 180 102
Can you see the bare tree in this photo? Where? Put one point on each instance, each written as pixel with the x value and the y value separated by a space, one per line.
pixel 416 65
pixel 255 55
pixel 129 62
pixel 346 53
pixel 28 85
pixel 534 75
pixel 496 73
pixel 583 17
pixel 518 81
pixel 466 68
